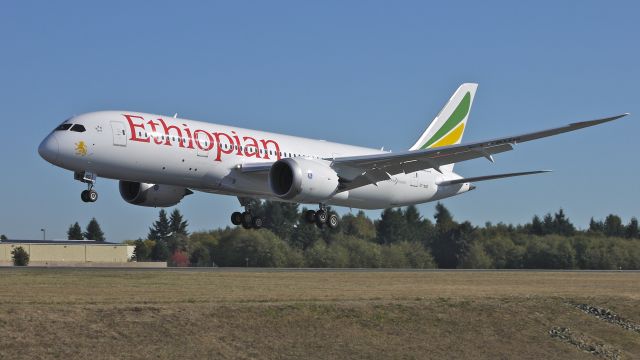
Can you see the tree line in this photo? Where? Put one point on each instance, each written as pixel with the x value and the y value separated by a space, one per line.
pixel 400 238
pixel 92 231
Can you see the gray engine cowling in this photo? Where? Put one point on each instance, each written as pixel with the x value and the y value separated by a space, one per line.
pixel 303 180
pixel 154 195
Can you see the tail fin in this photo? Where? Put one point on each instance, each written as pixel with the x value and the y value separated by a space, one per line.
pixel 448 126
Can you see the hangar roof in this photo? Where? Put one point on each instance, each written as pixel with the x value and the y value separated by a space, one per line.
pixel 59 242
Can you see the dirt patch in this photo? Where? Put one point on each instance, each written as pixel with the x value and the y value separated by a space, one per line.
pixel 608 316
pixel 585 343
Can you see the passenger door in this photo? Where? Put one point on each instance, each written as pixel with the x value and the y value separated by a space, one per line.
pixel 119 134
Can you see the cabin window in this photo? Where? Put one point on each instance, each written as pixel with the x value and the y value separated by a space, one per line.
pixel 78 128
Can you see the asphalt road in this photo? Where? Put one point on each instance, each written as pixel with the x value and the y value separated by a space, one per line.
pixel 267 270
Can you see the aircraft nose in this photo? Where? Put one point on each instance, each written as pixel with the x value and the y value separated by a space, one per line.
pixel 49 148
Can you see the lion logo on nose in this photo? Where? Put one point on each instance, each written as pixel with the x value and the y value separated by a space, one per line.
pixel 81 148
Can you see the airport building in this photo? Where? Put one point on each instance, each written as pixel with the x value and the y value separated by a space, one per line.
pixel 68 253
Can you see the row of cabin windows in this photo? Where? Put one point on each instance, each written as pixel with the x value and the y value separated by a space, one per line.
pixel 72 127
pixel 224 146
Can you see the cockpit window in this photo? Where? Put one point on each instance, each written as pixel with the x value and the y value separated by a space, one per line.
pixel 78 128
pixel 63 127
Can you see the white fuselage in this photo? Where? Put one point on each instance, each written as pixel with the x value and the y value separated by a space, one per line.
pixel 154 149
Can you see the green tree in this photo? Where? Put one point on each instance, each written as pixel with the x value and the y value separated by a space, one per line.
pixel 75 232
pixel 260 248
pixel 209 241
pixel 537 228
pixel 632 230
pixel 596 226
pixel 391 227
pixel 176 242
pixel 393 256
pixel 93 231
pixel 142 251
pixel 562 225
pixel 417 228
pixel 20 256
pixel 200 256
pixel 417 256
pixel 177 225
pixel 452 240
pixel 160 251
pixel 362 253
pixel 321 255
pixel 548 225
pixel 304 235
pixel 549 252
pixel 613 226
pixel 3 237
pixel 359 226
pixel 477 258
pixel 161 228
pixel 280 217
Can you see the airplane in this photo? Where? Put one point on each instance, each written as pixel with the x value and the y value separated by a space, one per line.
pixel 159 160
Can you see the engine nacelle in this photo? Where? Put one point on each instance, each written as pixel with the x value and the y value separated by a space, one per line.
pixel 303 180
pixel 152 194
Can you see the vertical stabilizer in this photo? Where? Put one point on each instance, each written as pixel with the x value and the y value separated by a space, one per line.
pixel 448 126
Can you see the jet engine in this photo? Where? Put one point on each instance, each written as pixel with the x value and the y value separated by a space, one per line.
pixel 152 194
pixel 303 180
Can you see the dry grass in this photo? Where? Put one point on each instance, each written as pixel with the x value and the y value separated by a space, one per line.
pixel 115 314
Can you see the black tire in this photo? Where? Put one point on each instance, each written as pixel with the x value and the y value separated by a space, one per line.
pixel 321 217
pixel 310 216
pixel 247 220
pixel 84 195
pixel 332 221
pixel 257 222
pixel 92 196
pixel 236 218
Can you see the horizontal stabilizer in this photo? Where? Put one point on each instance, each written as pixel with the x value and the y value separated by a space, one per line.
pixel 490 177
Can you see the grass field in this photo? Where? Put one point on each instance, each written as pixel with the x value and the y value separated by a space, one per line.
pixel 117 314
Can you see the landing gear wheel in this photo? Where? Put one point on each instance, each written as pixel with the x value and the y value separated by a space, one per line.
pixel 92 195
pixel 257 222
pixel 310 216
pixel 321 218
pixel 236 218
pixel 332 221
pixel 85 196
pixel 247 220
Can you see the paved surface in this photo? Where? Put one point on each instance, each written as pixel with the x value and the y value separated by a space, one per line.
pixel 266 270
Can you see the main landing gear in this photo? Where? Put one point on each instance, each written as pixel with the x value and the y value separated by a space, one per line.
pixel 246 219
pixel 88 178
pixel 321 217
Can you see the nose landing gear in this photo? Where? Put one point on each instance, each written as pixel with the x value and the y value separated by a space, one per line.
pixel 88 178
pixel 89 195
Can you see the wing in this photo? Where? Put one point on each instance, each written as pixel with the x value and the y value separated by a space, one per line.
pixel 357 171
pixel 490 177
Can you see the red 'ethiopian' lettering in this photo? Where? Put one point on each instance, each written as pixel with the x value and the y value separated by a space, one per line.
pixel 163 132
pixel 251 148
pixel 132 127
pixel 167 129
pixel 199 141
pixel 220 149
pixel 266 148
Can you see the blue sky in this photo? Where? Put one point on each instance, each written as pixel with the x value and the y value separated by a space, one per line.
pixel 371 73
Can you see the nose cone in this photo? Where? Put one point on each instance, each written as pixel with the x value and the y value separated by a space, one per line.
pixel 49 148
